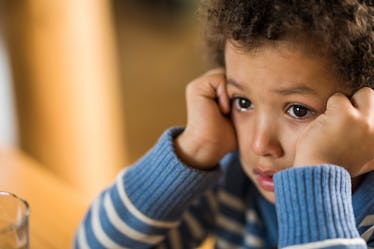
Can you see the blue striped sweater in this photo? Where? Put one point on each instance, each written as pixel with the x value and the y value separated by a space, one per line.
pixel 160 203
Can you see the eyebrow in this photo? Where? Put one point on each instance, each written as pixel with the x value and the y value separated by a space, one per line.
pixel 298 88
pixel 234 83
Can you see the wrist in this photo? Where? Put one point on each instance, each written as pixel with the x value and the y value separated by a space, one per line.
pixel 194 153
pixel 159 181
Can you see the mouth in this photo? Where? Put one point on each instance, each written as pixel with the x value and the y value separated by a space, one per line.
pixel 265 180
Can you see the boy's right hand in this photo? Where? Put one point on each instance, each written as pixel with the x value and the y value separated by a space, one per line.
pixel 209 133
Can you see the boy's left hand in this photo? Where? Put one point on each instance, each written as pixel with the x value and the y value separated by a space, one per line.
pixel 342 135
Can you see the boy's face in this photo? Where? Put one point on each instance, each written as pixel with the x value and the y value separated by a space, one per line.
pixel 276 91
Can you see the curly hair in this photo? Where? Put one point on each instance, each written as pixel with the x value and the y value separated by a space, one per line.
pixel 341 29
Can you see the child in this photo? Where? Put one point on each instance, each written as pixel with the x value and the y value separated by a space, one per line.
pixel 278 148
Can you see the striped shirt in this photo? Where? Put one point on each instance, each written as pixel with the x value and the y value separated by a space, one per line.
pixel 161 203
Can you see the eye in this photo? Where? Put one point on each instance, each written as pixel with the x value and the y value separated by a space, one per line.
pixel 242 104
pixel 299 111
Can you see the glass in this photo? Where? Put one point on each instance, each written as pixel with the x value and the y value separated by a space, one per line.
pixel 14 222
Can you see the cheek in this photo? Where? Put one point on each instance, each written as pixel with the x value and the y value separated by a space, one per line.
pixel 245 138
pixel 243 133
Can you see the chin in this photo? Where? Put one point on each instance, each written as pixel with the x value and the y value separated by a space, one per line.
pixel 269 196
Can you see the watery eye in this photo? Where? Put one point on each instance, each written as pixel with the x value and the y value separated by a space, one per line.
pixel 242 104
pixel 299 111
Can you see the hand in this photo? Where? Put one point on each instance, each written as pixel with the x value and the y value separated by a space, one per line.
pixel 343 135
pixel 209 133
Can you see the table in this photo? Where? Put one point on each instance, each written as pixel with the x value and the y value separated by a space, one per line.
pixel 56 208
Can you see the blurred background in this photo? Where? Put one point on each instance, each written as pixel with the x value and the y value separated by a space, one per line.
pixel 88 86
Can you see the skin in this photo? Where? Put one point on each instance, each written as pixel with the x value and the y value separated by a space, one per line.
pixel 286 110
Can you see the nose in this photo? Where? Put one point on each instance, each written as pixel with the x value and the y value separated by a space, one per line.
pixel 266 141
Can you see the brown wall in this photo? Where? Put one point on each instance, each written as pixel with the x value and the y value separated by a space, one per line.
pixel 97 82
pixel 64 62
pixel 160 53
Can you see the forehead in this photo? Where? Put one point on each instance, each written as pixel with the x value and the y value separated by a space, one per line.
pixel 279 63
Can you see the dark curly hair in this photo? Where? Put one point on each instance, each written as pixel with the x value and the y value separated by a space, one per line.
pixel 341 29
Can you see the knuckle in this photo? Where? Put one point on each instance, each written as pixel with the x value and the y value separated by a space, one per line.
pixel 196 82
pixel 336 100
pixel 190 88
pixel 366 91
pixel 204 83
pixel 367 127
pixel 215 71
pixel 351 117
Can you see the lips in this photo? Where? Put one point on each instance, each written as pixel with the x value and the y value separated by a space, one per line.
pixel 265 179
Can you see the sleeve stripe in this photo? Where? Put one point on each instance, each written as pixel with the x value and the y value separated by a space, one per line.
pixel 122 227
pixel 230 225
pixel 254 241
pixel 135 212
pixel 212 202
pixel 98 231
pixel 193 226
pixel 82 240
pixel 224 244
pixel 329 243
pixel 368 221
pixel 368 233
pixel 251 217
pixel 231 200
pixel 175 240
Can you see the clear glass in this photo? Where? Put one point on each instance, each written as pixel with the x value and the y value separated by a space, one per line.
pixel 14 222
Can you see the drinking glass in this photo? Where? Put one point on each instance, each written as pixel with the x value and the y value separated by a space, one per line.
pixel 14 223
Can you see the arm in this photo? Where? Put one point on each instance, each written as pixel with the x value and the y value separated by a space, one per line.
pixel 146 204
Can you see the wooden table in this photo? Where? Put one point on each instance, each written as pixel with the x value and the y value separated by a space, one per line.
pixel 55 207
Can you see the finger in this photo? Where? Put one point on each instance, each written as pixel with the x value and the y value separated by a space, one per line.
pixel 211 87
pixel 369 166
pixel 337 102
pixel 217 84
pixel 363 100
pixel 218 70
pixel 223 98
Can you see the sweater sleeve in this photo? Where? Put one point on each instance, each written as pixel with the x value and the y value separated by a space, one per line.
pixel 147 204
pixel 314 208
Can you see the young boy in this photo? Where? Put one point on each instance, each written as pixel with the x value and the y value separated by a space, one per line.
pixel 278 148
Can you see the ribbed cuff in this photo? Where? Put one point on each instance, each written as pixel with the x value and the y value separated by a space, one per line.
pixel 161 186
pixel 313 204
